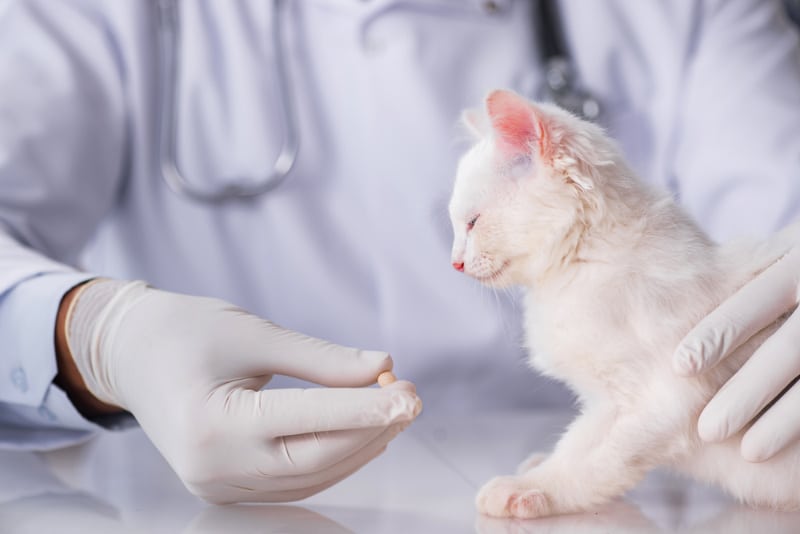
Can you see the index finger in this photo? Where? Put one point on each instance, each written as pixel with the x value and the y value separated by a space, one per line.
pixel 260 347
pixel 752 308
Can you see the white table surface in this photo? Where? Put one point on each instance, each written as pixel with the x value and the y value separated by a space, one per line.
pixel 425 482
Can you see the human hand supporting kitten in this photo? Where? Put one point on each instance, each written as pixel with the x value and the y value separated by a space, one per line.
pixel 767 379
pixel 617 274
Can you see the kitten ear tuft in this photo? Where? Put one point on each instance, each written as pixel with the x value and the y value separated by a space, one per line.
pixel 474 121
pixel 517 123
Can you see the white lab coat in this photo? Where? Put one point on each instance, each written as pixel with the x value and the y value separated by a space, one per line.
pixel 704 97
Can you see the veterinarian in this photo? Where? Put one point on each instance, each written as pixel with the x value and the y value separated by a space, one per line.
pixel 164 167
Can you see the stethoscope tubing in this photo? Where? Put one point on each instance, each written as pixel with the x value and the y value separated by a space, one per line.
pixel 169 67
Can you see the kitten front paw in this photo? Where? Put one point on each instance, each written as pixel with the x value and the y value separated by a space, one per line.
pixel 530 462
pixel 512 496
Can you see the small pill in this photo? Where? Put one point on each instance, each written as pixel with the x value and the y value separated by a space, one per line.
pixel 386 378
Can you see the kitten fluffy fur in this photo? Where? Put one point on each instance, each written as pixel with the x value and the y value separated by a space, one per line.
pixel 616 275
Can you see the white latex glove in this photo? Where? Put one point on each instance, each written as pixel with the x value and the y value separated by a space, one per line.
pixel 771 368
pixel 191 371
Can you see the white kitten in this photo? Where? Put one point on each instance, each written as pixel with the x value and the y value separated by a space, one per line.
pixel 616 275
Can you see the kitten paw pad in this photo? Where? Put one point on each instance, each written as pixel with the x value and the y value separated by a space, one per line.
pixel 529 504
pixel 511 497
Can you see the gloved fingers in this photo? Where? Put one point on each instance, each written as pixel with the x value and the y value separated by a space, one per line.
pixel 752 308
pixel 263 487
pixel 762 378
pixel 304 492
pixel 310 453
pixel 307 453
pixel 273 413
pixel 777 428
pixel 402 385
pixel 302 465
pixel 260 347
pixel 347 466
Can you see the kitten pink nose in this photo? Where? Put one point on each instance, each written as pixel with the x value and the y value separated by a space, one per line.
pixel 458 266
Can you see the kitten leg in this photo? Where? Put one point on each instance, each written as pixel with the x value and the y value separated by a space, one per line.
pixel 531 461
pixel 600 457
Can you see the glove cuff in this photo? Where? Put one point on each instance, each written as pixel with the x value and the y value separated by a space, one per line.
pixel 90 318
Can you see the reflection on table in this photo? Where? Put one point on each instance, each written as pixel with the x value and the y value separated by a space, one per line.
pixel 425 482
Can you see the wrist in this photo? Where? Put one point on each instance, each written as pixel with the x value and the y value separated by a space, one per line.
pixel 69 377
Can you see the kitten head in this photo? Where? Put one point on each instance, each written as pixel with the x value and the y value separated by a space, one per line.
pixel 525 190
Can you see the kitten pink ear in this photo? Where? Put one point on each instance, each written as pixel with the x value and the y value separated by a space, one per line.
pixel 518 124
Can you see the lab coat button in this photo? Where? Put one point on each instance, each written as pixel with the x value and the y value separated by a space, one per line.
pixel 19 379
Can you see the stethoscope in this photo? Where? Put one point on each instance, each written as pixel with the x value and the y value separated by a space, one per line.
pixel 560 86
pixel 169 65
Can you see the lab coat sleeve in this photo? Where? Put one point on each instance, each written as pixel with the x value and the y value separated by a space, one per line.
pixel 62 136
pixel 737 149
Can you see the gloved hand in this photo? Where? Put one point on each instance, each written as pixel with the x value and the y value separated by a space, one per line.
pixel 771 368
pixel 191 371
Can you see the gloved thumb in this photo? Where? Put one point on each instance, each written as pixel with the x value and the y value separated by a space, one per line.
pixel 260 347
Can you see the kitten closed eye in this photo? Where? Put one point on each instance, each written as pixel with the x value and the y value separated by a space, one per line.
pixel 471 223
